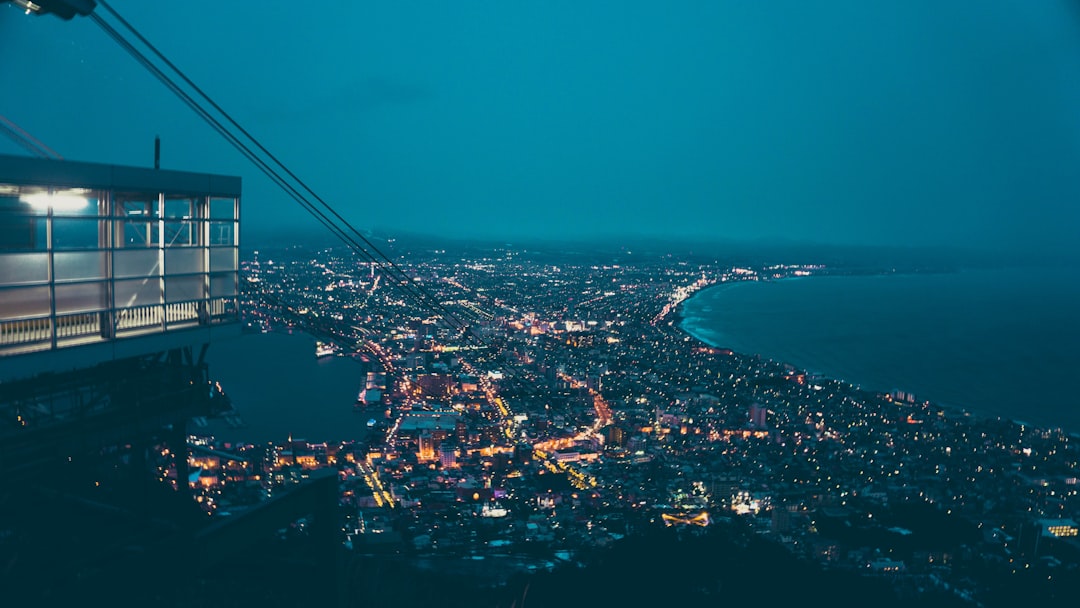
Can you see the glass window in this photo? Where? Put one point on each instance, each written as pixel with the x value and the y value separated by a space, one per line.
pixel 80 297
pixel 79 265
pixel 222 233
pixel 14 202
pixel 24 302
pixel 73 203
pixel 180 234
pixel 16 268
pixel 22 227
pixel 180 289
pixel 76 233
pixel 179 207
pixel 223 284
pixel 138 292
pixel 136 233
pixel 223 208
pixel 183 288
pixel 137 205
pixel 185 261
pixel 136 263
pixel 223 258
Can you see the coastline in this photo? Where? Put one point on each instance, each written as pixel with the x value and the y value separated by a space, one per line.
pixel 716 337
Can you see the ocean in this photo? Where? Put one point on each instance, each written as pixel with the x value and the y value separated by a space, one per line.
pixel 993 342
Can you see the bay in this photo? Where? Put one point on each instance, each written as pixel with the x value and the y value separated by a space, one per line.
pixel 280 389
pixel 995 342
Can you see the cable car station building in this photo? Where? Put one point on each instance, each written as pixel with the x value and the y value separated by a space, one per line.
pixel 114 281
pixel 102 262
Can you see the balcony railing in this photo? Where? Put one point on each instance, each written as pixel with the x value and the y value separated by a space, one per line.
pixel 25 332
pixel 41 333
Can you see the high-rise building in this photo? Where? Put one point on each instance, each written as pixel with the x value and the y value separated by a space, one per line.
pixel 757 416
pixel 426 446
pixel 613 436
pixel 447 455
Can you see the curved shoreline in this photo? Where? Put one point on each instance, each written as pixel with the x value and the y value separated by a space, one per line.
pixel 680 322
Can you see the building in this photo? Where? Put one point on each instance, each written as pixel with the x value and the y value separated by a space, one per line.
pixel 757 417
pixel 114 282
pixel 448 455
pixel 614 436
pixel 100 263
pixel 426 446
pixel 431 425
pixel 1059 528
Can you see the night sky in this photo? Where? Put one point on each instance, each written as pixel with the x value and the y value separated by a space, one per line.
pixel 916 122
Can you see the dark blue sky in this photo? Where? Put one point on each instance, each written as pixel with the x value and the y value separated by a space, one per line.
pixel 915 122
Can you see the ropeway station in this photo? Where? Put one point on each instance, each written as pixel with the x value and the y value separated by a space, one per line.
pixel 102 262
pixel 113 283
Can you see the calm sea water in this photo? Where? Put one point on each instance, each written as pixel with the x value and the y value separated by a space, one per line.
pixel 1001 342
pixel 279 388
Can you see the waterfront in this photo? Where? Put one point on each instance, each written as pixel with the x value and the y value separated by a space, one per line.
pixel 996 342
pixel 624 428
pixel 280 389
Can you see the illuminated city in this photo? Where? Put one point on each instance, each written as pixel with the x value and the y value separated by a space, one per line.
pixel 582 413
pixel 558 305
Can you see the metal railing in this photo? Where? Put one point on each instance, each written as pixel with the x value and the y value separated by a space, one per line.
pixel 25 331
pixel 78 325
pixel 138 317
pixel 180 312
pixel 38 333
